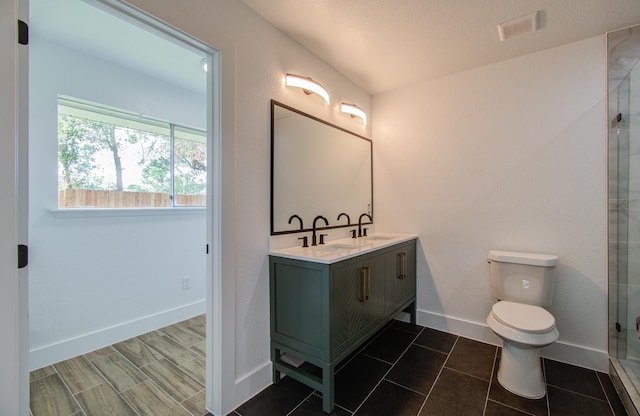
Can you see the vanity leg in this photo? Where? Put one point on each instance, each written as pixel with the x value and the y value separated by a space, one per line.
pixel 412 311
pixel 327 389
pixel 275 357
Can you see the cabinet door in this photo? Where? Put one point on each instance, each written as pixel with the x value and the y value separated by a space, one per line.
pixel 409 282
pixel 400 281
pixel 357 298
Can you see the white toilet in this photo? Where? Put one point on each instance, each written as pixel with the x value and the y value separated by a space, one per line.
pixel 523 283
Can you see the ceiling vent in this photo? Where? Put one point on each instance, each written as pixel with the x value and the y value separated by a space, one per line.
pixel 519 26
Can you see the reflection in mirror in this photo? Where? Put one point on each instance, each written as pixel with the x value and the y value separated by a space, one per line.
pixel 316 169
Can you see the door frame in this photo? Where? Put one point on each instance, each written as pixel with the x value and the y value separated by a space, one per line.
pixel 221 388
pixel 14 347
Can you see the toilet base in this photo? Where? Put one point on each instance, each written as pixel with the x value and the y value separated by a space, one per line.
pixel 520 371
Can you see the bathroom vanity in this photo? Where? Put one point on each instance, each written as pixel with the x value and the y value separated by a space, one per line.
pixel 327 300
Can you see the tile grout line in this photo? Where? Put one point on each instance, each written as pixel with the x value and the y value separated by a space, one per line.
pixel 170 359
pixel 188 347
pixel 405 387
pixel 525 412
pixel 360 349
pixel 389 370
pixel 488 399
pixel 606 395
pixel 493 368
pixel 73 396
pixel 134 366
pixel 314 393
pixel 579 394
pixel 439 373
pixel 431 349
pixel 496 362
pixel 546 386
pixel 300 404
pixel 110 384
pixel 179 367
pixel 467 374
pixel 175 399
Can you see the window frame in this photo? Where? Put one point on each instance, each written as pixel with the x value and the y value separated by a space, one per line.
pixel 131 120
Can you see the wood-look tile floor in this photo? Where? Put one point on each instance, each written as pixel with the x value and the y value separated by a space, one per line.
pixel 158 373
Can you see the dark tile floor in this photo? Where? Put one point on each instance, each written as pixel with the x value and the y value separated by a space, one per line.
pixel 407 371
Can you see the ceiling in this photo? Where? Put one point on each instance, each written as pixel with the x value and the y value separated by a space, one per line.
pixel 99 33
pixel 382 45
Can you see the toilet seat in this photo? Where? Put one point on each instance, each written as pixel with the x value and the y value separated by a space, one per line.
pixel 528 326
pixel 522 317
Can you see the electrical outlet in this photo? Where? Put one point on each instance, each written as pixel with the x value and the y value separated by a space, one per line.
pixel 186 283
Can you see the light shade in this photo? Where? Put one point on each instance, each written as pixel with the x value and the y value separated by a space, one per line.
pixel 354 111
pixel 307 84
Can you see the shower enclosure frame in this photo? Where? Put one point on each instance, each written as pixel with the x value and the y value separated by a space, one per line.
pixel 623 158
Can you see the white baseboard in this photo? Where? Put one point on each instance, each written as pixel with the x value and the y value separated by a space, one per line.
pixel 253 383
pixel 560 351
pixel 82 344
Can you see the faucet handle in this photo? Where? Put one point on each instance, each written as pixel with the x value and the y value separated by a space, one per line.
pixel 353 233
pixel 364 232
pixel 305 241
pixel 322 236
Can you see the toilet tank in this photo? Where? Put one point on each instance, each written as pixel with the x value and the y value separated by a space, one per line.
pixel 523 277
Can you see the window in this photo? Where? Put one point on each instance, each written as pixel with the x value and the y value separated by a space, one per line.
pixel 111 158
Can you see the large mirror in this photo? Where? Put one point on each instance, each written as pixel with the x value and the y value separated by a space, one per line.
pixel 317 169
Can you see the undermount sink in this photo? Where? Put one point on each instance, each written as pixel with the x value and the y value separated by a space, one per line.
pixel 336 247
pixel 379 237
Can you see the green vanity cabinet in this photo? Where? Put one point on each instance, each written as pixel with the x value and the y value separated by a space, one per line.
pixel 321 312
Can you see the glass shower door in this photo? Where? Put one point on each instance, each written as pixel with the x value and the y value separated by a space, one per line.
pixel 624 206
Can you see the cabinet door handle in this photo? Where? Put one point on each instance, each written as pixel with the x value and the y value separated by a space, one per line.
pixel 402 266
pixel 364 280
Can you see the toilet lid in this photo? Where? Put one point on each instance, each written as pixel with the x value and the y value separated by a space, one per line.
pixel 526 318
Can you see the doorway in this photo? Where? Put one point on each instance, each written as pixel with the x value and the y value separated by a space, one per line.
pixel 79 244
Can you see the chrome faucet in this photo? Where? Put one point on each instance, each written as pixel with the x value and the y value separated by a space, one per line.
pixel 299 219
pixel 313 235
pixel 360 225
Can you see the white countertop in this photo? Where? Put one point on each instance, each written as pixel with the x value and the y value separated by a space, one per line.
pixel 338 250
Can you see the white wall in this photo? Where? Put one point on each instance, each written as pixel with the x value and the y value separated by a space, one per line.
pixel 254 57
pixel 98 280
pixel 510 156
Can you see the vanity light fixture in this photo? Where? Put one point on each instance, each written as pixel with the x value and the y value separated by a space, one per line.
pixel 307 84
pixel 354 111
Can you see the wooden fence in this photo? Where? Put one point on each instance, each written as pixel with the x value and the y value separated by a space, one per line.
pixel 79 198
